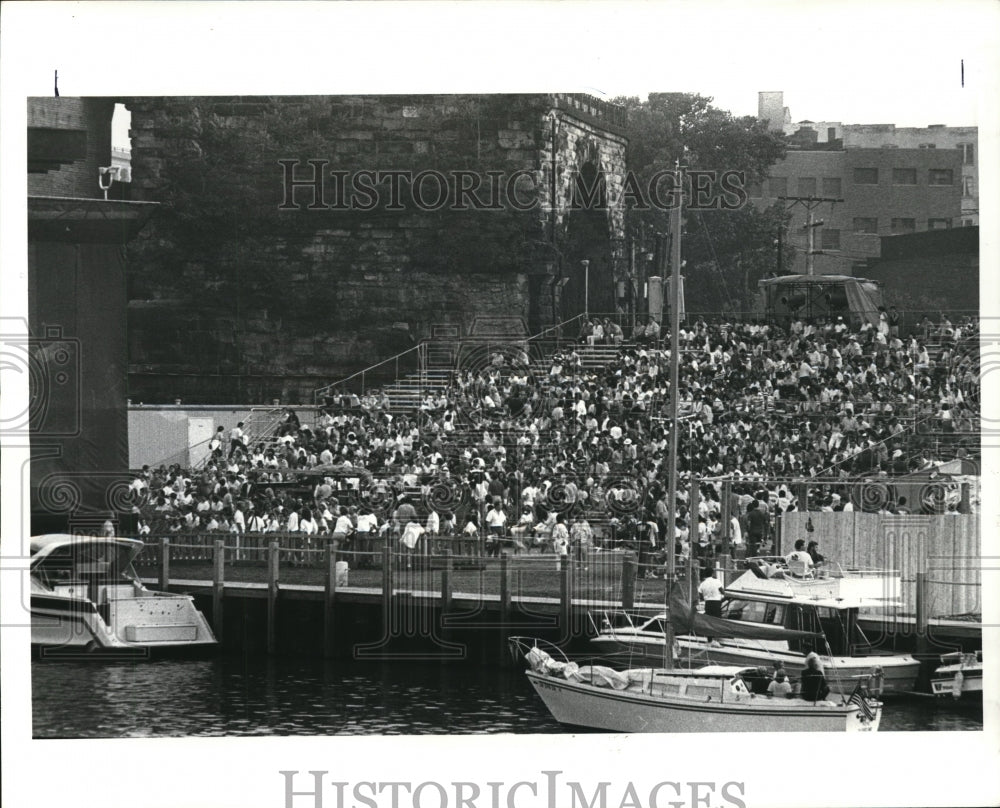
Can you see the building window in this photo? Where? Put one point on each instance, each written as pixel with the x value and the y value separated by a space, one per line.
pixel 940 176
pixel 755 189
pixel 968 186
pixel 865 224
pixel 904 176
pixel 938 224
pixel 807 186
pixel 928 146
pixel 779 186
pixel 904 225
pixel 831 187
pixel 968 153
pixel 866 176
pixel 830 238
pixel 968 222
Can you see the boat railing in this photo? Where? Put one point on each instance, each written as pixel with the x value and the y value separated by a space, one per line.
pixel 777 567
pixel 608 621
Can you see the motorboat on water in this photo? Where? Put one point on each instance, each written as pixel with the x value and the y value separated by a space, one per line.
pixel 86 596
pixel 770 616
pixel 714 698
pixel 960 675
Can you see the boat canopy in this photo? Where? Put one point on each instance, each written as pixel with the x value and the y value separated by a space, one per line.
pixel 43 546
pixel 686 620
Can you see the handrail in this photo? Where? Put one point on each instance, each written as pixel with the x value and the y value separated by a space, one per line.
pixel 421 364
pixel 557 327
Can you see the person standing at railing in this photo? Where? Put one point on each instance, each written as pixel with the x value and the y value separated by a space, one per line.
pixel 581 538
pixel 496 521
pixel 257 523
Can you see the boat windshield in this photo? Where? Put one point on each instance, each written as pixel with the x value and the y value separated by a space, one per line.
pixel 838 626
pixel 83 561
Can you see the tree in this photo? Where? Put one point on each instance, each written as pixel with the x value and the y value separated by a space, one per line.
pixel 727 251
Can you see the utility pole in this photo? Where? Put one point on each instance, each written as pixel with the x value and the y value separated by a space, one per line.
pixel 810 227
pixel 810 203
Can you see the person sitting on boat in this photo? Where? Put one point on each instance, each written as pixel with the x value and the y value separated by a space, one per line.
pixel 813 686
pixel 779 686
pixel 798 561
pixel 814 554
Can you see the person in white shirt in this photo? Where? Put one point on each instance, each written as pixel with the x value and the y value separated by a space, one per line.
pixel 410 540
pixel 560 538
pixel 236 435
pixel 496 520
pixel 798 561
pixel 779 686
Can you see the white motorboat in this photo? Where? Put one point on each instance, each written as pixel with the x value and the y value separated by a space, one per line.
pixel 766 620
pixel 710 699
pixel 959 676
pixel 86 596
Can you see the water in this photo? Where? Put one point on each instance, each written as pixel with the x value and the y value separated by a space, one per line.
pixel 230 696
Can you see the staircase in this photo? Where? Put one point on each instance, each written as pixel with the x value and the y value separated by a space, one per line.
pixel 407 393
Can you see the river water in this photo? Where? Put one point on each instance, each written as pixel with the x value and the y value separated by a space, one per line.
pixel 233 696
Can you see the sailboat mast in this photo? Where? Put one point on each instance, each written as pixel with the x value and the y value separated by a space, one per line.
pixel 675 327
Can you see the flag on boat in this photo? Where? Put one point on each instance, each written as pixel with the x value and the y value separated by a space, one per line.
pixel 863 705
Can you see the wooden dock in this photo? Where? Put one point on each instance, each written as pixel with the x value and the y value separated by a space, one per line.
pixel 333 617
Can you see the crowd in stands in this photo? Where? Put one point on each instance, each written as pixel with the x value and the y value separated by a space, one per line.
pixel 552 454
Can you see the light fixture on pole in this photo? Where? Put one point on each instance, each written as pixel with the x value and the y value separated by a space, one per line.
pixel 586 287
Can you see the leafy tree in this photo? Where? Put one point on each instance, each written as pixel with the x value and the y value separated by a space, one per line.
pixel 727 251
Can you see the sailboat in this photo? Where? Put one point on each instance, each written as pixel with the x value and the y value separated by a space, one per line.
pixel 664 699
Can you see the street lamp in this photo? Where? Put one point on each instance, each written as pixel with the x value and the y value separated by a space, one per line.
pixel 586 288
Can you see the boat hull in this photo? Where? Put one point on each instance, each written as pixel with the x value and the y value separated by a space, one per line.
pixel 156 621
pixel 899 671
pixel 585 705
pixel 969 686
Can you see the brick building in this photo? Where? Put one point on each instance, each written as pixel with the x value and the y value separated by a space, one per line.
pixel 877 185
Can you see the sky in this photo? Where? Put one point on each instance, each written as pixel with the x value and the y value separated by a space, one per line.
pixel 889 62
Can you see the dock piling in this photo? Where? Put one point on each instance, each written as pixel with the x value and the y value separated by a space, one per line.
pixel 329 598
pixel 565 597
pixel 628 581
pixel 921 609
pixel 163 584
pixel 218 586
pixel 272 596
pixel 386 583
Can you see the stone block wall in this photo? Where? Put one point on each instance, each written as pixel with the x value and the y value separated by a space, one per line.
pixel 254 284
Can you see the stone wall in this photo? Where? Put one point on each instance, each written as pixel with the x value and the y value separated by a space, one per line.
pixel 258 280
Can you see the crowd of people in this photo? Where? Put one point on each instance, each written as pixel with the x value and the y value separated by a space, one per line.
pixel 551 454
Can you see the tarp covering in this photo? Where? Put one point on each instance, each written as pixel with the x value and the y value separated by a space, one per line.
pixel 861 302
pixel 815 296
pixel 685 620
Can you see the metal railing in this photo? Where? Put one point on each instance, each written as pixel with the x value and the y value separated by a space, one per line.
pixel 361 381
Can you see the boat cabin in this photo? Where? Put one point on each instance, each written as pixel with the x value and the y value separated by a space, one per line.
pixel 838 625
